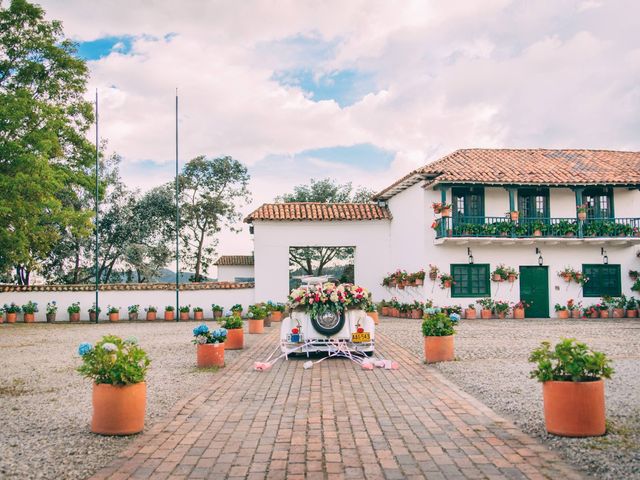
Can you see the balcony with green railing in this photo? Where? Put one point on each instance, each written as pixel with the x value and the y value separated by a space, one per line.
pixel 546 228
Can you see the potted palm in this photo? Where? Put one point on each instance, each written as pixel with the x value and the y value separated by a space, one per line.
pixel 210 346
pixel 235 332
pixel 198 313
pixel 487 305
pixel 561 311
pixel 217 311
pixel 184 312
pixel 470 312
pixel 632 308
pixel 29 312
pixel 118 369
pixel 169 313
pixel 94 312
pixel 74 312
pixel 256 315
pixel 52 309
pixel 152 313
pixel 572 387
pixel 11 312
pixel 437 330
pixel 133 312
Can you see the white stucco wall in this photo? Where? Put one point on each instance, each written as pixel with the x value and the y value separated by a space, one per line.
pixel 122 299
pixel 229 273
pixel 408 229
pixel 273 239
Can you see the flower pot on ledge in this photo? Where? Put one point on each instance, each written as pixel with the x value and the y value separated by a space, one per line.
pixel 29 317
pixel 575 313
pixel 169 315
pixel 632 313
pixel 151 316
pixel 618 313
pixel 518 313
pixel 486 313
pixel 184 316
pixel 75 317
pixel 563 314
pixel 470 313
pixel 198 315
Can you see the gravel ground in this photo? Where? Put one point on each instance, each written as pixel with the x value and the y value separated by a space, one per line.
pixel 492 365
pixel 45 405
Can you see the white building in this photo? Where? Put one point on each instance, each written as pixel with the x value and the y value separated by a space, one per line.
pixel 483 186
pixel 235 268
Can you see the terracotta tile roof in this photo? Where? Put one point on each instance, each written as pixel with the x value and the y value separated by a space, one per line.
pixel 527 167
pixel 225 260
pixel 319 212
pixel 126 286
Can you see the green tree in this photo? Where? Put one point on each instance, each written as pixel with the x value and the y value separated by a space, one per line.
pixel 327 190
pixel 211 191
pixel 45 158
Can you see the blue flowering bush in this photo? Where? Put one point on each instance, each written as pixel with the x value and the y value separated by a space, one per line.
pixel 203 335
pixel 114 361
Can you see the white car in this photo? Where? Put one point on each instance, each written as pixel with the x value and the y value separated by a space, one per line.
pixel 352 330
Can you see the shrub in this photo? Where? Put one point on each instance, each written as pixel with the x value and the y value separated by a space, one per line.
pixel 114 361
pixel 570 360
pixel 437 325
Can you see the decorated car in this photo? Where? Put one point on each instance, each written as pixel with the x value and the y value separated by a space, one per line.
pixel 324 316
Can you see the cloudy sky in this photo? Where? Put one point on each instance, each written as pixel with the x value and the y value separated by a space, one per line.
pixel 357 90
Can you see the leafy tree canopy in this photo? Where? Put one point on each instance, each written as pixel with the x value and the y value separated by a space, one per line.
pixel 327 190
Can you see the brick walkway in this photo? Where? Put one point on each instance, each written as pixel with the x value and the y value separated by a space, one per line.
pixel 334 421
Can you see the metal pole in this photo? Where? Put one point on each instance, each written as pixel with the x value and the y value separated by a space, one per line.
pixel 177 316
pixel 97 193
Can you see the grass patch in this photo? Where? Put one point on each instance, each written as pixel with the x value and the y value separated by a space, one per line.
pixel 213 369
pixel 619 435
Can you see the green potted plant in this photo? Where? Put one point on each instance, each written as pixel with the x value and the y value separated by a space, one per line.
pixel 11 312
pixel 470 312
pixel 217 310
pixel 74 312
pixel 133 312
pixel 582 212
pixel 418 278
pixel 198 313
pixel 94 312
pixel 538 228
pixel 438 331
pixel 52 309
pixel 567 274
pixel 487 307
pixel 118 369
pixel 519 309
pixel 114 313
pixel 632 308
pixel 501 308
pixel 29 312
pixel 633 275
pixel 237 310
pixel 169 313
pixel 500 273
pixel 572 387
pixel 256 315
pixel 235 332
pixel 512 274
pixel 152 313
pixel 446 280
pixel 275 311
pixel 184 312
pixel 619 305
pixel 210 346
pixel 636 286
pixel 561 311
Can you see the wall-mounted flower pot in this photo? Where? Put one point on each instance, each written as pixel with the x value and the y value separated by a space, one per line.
pixel 151 316
pixel 438 349
pixel 235 339
pixel 133 316
pixel 574 409
pixel 518 313
pixel 511 278
pixel 114 317
pixel 514 216
pixel 486 313
pixel 169 315
pixel 29 317
pixel 210 355
pixel 447 284
pixel 618 313
pixel 575 313
pixel 497 278
pixel 470 313
pixel 418 282
pixel 198 315
pixel 374 317
pixel 433 276
pixel 184 316
pixel 118 409
pixel 51 317
pixel 12 317
pixel 256 326
pixel 276 316
pixel 445 212
pixel 563 314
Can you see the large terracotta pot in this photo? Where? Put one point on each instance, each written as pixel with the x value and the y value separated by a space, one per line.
pixel 518 313
pixel 632 313
pixel 575 313
pixel 118 409
pixel 74 317
pixel 563 313
pixel 198 315
pixel 374 317
pixel 210 355
pixel 184 316
pixel 114 317
pixel 486 313
pixel 470 313
pixel 151 316
pixel 574 409
pixel 276 316
pixel 235 339
pixel 385 311
pixel 604 313
pixel 256 326
pixel 169 315
pixel 12 317
pixel 438 349
pixel 618 313
pixel 29 317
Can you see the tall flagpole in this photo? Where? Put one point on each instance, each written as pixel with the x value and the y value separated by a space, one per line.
pixel 97 194
pixel 177 314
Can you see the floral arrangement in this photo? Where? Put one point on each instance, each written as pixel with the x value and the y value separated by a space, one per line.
pixel 197 309
pixel 52 307
pixel 486 303
pixel 30 307
pixel 402 278
pixel 501 307
pixel 257 312
pixel 12 308
pixel 111 309
pixel 203 335
pixel 231 322
pixel 521 305
pixel 75 308
pixel 591 311
pixel 439 206
pixel 317 299
pixel 274 307
pixel 151 308
pixel 114 361
pixel 133 308
pixel 567 274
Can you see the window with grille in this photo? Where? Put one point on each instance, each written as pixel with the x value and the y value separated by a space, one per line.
pixel 533 203
pixel 603 280
pixel 468 205
pixel 470 280
pixel 599 202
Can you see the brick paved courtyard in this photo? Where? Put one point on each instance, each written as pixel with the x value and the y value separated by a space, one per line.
pixel 334 421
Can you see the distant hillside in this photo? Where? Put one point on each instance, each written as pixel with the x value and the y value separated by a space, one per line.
pixel 167 275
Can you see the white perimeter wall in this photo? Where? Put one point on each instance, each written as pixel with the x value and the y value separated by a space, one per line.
pixel 228 273
pixel 273 239
pixel 122 299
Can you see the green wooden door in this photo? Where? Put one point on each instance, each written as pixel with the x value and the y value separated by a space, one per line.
pixel 534 290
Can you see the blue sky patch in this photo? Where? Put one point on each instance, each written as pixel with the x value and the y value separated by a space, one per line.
pixel 102 47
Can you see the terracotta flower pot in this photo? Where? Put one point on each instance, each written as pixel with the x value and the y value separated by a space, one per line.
pixel 12 317
pixel 418 282
pixel 169 315
pixel 496 277
pixel 92 317
pixel 114 317
pixel 416 313
pixel 151 316
pixel 518 313
pixel 563 313
pixel 394 312
pixel 447 284
pixel 198 315
pixel 582 216
pixel 575 313
pixel 210 355
pixel 75 317
pixel 486 313
pixel 217 314
pixel 184 316
pixel 385 311
pixel 470 313
pixel 1 318
pixel 276 316
pixel 235 339
pixel 514 216
pixel 574 409
pixel 438 349
pixel 118 409
pixel 501 315
pixel 595 314
pixel 604 313
pixel 537 233
pixel 618 313
pixel 51 317
pixel 133 316
pixel 374 317
pixel 256 326
pixel 445 212
pixel 511 278
pixel 632 313
pixel 29 317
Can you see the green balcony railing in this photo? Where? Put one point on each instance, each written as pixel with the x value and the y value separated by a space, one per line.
pixel 536 227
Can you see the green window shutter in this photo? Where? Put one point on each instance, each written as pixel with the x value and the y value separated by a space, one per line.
pixel 603 280
pixel 470 280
